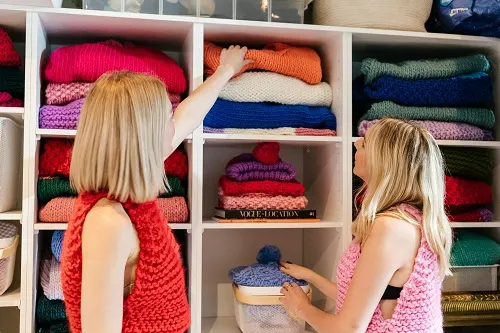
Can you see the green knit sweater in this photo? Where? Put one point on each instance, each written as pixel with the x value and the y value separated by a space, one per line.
pixel 474 116
pixel 476 164
pixel 49 312
pixel 425 69
pixel 474 249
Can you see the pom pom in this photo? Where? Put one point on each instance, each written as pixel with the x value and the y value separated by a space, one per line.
pixel 267 152
pixel 268 254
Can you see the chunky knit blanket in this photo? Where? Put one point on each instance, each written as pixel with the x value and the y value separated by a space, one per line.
pixel 474 249
pixel 425 69
pixel 300 62
pixel 12 81
pixel 61 117
pixel 7 100
pixel 245 167
pixel 300 131
pixel 458 90
pixel 56 244
pixel 469 163
pixel 87 62
pixel 58 210
pixel 474 116
pixel 276 88
pixel 226 114
pixel 461 194
pixel 441 130
pixel 50 279
pixel 261 201
pixel 481 214
pixel 270 187
pixel 64 93
pixel 49 312
pixel 8 54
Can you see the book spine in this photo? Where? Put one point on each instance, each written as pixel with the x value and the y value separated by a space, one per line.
pixel 266 214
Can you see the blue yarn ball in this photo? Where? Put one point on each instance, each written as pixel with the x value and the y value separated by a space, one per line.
pixel 268 253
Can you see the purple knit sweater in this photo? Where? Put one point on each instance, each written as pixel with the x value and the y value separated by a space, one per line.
pixel 246 167
pixel 61 117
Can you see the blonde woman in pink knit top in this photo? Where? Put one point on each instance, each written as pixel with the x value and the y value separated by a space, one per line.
pixel 389 279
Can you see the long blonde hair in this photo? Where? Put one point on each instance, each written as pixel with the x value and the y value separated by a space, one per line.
pixel 405 165
pixel 119 142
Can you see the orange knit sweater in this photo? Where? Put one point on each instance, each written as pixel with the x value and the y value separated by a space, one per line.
pixel 300 62
pixel 158 303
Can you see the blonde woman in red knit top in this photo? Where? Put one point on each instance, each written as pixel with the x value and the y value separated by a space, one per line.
pixel 121 265
pixel 389 279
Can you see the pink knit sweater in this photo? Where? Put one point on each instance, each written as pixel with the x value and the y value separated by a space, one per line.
pixel 418 308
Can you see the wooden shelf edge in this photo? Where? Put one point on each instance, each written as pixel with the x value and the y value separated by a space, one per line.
pixel 210 224
pixel 11 298
pixel 13 215
pixel 64 226
pixel 458 143
pixel 475 224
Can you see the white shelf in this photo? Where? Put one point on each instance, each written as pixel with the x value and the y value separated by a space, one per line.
pixel 62 133
pixel 210 224
pixel 215 138
pixel 13 215
pixel 15 113
pixel 459 143
pixel 11 298
pixel 222 325
pixel 64 226
pixel 475 224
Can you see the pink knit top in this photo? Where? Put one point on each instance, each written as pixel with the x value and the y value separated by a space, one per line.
pixel 418 308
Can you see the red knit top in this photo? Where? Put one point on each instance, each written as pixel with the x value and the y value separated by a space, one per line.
pixel 158 302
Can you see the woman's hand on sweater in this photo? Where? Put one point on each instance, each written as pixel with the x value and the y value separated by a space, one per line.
pixel 327 287
pixel 296 271
pixel 233 58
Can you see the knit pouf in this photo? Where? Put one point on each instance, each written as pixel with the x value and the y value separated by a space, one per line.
pixel 299 131
pixel 474 249
pixel 87 62
pixel 12 81
pixel 380 14
pixel 262 201
pixel 299 62
pixel 463 193
pixel 61 117
pixel 474 163
pixel 49 312
pixel 8 54
pixel 7 100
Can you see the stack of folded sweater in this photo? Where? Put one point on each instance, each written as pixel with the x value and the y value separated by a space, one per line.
pixel 450 97
pixel 71 70
pixel 468 193
pixel 11 76
pixel 57 198
pixel 471 248
pixel 261 180
pixel 51 316
pixel 279 93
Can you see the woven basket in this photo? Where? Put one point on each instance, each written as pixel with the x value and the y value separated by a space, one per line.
pixel 11 152
pixel 376 14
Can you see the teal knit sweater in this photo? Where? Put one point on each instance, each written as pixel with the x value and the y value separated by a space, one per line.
pixel 425 69
pixel 474 116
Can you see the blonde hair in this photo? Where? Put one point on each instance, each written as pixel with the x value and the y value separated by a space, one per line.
pixel 119 142
pixel 405 165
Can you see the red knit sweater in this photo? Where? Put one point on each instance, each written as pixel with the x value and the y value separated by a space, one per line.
pixel 158 303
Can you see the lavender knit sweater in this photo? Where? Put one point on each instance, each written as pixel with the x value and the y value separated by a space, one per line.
pixel 61 117
pixel 246 167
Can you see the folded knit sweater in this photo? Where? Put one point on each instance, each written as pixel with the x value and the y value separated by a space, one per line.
pixel 276 88
pixel 300 62
pixel 461 194
pixel 270 187
pixel 425 69
pixel 12 81
pixel 297 131
pixel 50 279
pixel 262 201
pixel 469 163
pixel 87 62
pixel 455 91
pixel 226 114
pixel 481 214
pixel 474 116
pixel 245 167
pixel 7 100
pixel 49 312
pixel 472 248
pixel 8 54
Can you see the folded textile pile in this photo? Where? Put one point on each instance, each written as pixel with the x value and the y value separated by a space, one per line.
pixel 71 70
pixel 471 248
pixel 57 198
pixel 280 93
pixel 473 169
pixel 261 180
pixel 11 76
pixel 452 97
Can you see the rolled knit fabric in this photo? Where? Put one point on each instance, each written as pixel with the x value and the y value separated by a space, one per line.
pixel 301 62
pixel 87 62
pixel 463 193
pixel 441 130
pixel 245 167
pixel 230 187
pixel 59 210
pixel 56 243
pixel 7 100
pixel 477 215
pixel 301 131
pixel 468 163
pixel 458 90
pixel 64 93
pixel 254 201
pixel 49 312
pixel 8 54
pixel 226 114
pixel 425 69
pixel 474 116
pixel 276 88
pixel 50 279
pixel 12 81
pixel 61 117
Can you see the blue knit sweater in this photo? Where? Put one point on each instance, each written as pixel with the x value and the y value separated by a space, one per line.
pixel 459 90
pixel 226 114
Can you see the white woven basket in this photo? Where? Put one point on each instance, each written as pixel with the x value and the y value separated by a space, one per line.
pixel 11 143
pixel 376 14
pixel 9 239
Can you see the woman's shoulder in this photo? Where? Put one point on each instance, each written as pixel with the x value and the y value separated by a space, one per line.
pixel 397 230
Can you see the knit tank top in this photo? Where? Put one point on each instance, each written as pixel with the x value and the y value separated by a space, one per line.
pixel 418 308
pixel 158 302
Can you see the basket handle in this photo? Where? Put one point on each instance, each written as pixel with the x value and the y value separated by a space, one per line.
pixel 260 299
pixel 9 250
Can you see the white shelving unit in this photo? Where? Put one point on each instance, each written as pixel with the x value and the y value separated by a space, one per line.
pixel 323 164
